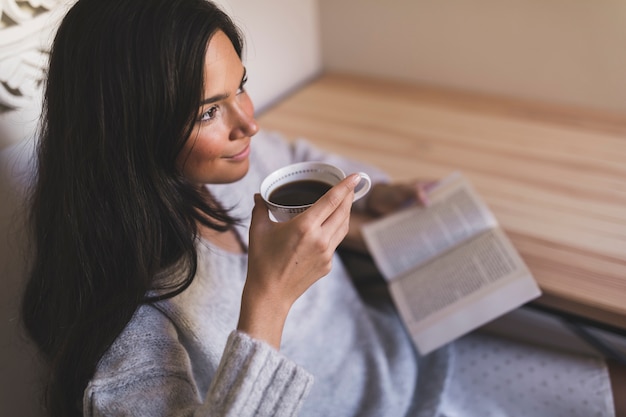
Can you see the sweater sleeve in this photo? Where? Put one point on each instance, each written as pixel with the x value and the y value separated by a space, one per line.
pixel 252 379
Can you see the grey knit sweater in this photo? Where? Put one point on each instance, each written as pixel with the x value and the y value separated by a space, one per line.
pixel 338 357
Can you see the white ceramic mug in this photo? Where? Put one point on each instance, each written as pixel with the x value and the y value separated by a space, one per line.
pixel 305 171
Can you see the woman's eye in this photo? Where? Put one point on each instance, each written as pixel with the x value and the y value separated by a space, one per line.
pixel 208 115
pixel 242 86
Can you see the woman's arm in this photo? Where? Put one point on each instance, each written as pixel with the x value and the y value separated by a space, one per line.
pixel 150 370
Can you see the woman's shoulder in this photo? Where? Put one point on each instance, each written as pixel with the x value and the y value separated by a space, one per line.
pixel 149 343
pixel 146 361
pixel 147 371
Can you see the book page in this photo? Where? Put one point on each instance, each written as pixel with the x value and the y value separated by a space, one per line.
pixel 454 294
pixel 411 237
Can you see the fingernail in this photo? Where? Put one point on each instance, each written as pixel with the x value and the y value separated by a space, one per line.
pixel 355 179
pixel 423 196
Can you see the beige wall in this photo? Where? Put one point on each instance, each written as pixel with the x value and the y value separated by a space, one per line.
pixel 282 44
pixel 563 51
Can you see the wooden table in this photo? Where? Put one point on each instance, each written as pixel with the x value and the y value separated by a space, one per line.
pixel 555 177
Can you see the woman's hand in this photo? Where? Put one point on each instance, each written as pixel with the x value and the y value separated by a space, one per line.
pixel 286 258
pixel 384 199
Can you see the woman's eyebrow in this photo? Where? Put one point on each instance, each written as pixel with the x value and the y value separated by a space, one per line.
pixel 223 96
pixel 214 98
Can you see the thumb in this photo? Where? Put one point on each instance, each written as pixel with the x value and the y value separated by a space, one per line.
pixel 260 214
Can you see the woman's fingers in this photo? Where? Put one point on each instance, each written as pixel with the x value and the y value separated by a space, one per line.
pixel 338 223
pixel 421 190
pixel 260 221
pixel 327 205
pixel 387 198
pixel 423 187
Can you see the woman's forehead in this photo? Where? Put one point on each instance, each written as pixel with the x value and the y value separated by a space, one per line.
pixel 223 68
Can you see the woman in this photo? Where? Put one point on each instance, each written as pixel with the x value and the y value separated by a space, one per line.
pixel 159 286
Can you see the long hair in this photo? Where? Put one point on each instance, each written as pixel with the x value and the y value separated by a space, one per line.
pixel 109 208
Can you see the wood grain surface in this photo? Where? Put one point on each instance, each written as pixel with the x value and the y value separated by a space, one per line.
pixel 555 177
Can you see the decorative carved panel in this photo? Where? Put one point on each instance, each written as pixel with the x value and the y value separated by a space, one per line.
pixel 26 30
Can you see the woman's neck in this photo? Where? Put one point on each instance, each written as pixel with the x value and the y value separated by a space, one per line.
pixel 228 240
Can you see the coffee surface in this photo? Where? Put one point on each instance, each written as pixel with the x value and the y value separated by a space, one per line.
pixel 299 193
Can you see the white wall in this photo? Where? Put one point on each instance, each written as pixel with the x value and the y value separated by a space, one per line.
pixel 561 51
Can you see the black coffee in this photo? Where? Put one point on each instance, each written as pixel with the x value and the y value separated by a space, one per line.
pixel 299 193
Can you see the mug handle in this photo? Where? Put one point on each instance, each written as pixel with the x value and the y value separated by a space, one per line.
pixel 363 187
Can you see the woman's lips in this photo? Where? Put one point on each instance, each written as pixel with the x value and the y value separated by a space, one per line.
pixel 241 155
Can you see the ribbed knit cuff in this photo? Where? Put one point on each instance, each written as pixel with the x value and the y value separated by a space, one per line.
pixel 256 379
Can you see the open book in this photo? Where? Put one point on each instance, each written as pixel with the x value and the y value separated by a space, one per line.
pixel 449 266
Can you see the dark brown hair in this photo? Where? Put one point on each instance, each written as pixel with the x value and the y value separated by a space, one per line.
pixel 109 209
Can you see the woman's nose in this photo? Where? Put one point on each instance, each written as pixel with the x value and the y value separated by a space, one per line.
pixel 244 123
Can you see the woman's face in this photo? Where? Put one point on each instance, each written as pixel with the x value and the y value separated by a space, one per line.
pixel 218 149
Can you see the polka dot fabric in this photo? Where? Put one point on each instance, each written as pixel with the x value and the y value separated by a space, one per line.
pixel 493 377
